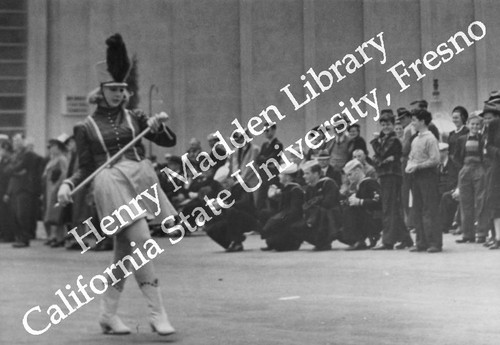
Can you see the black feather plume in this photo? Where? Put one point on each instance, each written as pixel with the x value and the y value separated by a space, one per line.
pixel 117 58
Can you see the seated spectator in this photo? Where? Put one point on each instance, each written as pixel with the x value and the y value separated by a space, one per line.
pixel 194 150
pixel 368 169
pixel 321 223
pixel 361 211
pixel 228 229
pixel 327 169
pixel 277 232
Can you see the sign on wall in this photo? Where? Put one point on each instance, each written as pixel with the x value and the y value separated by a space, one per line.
pixel 76 105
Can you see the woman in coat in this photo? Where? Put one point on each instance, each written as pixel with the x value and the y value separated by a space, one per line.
pixel 53 175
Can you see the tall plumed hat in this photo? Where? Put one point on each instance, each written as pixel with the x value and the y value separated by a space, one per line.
pixel 116 69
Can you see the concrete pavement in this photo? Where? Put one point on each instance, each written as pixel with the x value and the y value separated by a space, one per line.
pixel 254 297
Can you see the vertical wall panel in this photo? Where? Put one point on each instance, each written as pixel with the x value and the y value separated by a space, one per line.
pixel 400 23
pixel 277 53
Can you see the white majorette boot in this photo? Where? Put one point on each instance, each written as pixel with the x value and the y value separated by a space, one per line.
pixel 109 321
pixel 159 319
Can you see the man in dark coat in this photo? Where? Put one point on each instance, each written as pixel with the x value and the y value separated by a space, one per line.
pixel 448 180
pixel 361 214
pixel 228 229
pixel 387 159
pixel 22 191
pixel 278 231
pixel 321 223
pixel 6 229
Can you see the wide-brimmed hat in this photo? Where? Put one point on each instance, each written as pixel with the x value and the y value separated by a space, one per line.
pixel 60 141
pixel 116 69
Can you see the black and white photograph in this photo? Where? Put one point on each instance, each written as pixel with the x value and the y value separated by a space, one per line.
pixel 273 172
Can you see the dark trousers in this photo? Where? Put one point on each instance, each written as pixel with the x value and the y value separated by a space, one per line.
pixel 24 215
pixel 392 210
pixel 6 228
pixel 279 235
pixel 360 224
pixel 426 206
pixel 447 210
pixel 230 226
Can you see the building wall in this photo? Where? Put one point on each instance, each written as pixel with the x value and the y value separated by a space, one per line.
pixel 216 60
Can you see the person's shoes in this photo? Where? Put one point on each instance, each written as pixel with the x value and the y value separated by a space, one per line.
pixel 403 245
pixel 322 248
pixel 416 249
pixel 495 245
pixel 434 250
pixel 383 247
pixel 456 232
pixel 481 240
pixel 20 244
pixel 465 240
pixel 113 325
pixel 108 320
pixel 235 247
pixel 49 242
pixel 489 243
pixel 360 245
pixel 158 316
pixel 103 246
pixel 57 244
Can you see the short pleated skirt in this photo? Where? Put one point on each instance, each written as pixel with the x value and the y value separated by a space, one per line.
pixel 125 180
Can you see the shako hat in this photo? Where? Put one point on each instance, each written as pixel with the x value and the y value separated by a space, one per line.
pixel 116 69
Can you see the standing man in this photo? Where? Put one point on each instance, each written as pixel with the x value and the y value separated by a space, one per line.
pixel 269 150
pixel 6 229
pixel 423 162
pixel 387 159
pixel 22 191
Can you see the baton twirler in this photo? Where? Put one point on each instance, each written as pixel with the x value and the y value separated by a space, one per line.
pixel 111 160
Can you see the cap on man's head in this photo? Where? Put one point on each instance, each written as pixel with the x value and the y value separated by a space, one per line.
pixel 351 165
pixel 308 164
pixel 402 112
pixel 323 154
pixel 422 103
pixel 291 169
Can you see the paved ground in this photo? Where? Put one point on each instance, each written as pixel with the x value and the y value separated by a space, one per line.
pixel 253 297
